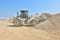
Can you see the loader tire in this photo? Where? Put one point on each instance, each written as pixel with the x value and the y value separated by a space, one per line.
pixel 17 22
pixel 34 22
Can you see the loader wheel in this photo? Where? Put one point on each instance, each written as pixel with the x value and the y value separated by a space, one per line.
pixel 34 22
pixel 17 22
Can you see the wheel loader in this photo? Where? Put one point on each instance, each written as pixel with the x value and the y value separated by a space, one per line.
pixel 23 18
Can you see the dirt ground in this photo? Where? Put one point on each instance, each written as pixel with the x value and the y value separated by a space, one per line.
pixel 44 31
pixel 22 33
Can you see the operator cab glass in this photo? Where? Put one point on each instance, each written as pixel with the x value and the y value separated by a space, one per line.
pixel 24 14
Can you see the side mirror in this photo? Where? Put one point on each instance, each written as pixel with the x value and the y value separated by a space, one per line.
pixel 17 13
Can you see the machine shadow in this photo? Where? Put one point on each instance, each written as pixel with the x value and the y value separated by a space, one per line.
pixel 14 26
pixel 21 26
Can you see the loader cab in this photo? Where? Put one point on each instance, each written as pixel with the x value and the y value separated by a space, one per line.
pixel 24 14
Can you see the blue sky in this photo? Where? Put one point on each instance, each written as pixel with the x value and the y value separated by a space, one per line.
pixel 8 8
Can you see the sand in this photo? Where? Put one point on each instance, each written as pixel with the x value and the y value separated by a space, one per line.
pixel 52 27
pixel 43 31
pixel 22 33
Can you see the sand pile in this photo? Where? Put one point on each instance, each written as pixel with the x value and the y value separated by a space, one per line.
pixel 52 27
pixel 23 33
